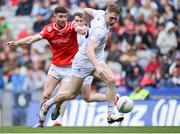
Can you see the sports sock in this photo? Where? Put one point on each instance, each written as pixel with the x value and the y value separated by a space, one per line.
pixel 60 119
pixel 49 103
pixel 111 108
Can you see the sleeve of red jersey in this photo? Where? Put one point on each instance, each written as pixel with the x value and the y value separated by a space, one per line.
pixel 45 32
pixel 73 25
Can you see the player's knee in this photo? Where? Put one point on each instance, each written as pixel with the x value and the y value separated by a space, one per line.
pixel 71 95
pixel 86 99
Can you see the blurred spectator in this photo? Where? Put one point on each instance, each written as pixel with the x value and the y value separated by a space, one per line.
pixel 132 7
pixel 128 53
pixel 118 72
pixel 39 23
pixel 2 85
pixel 141 30
pixel 22 33
pixel 133 79
pixel 24 7
pixel 35 8
pixel 114 52
pixel 36 76
pixel 175 76
pixel 45 10
pixel 153 65
pixel 146 9
pixel 133 64
pixel 167 40
pixel 5 31
pixel 166 61
pixel 18 80
pixel 134 74
pixel 152 73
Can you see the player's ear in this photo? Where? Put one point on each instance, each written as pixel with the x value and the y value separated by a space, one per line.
pixel 54 14
pixel 105 12
pixel 117 19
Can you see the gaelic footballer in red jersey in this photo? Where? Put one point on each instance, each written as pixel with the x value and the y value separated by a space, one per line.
pixel 63 41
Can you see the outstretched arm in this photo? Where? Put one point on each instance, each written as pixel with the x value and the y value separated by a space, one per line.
pixel 89 11
pixel 25 41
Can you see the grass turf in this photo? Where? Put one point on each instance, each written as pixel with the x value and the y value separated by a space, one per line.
pixel 90 130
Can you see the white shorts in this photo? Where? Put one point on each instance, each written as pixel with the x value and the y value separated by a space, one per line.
pixel 65 73
pixel 88 80
pixel 61 73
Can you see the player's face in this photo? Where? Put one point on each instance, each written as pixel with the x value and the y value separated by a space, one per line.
pixel 61 19
pixel 79 20
pixel 111 18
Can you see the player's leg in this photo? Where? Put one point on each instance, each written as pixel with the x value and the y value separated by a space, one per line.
pixel 52 80
pixel 65 74
pixel 49 86
pixel 86 93
pixel 59 110
pixel 73 86
pixel 111 93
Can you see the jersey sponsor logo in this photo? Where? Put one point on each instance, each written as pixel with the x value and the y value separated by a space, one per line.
pixel 60 41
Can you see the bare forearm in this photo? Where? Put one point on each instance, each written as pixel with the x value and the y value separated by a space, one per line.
pixel 89 11
pixel 92 57
pixel 25 41
pixel 28 40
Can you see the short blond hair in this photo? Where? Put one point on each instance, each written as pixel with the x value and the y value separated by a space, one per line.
pixel 113 8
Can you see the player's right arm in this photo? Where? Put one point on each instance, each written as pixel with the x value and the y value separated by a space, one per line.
pixel 90 11
pixel 95 40
pixel 25 41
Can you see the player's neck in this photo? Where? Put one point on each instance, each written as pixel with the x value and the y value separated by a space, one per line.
pixel 59 27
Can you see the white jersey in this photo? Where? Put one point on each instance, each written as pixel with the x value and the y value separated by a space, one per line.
pixel 80 38
pixel 98 31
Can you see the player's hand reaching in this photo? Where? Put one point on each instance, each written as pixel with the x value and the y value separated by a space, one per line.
pixel 11 43
pixel 102 72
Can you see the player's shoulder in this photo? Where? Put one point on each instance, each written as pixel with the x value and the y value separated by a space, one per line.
pixel 100 12
pixel 98 22
pixel 49 27
pixel 99 18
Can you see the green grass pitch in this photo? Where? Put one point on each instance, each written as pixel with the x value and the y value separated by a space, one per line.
pixel 90 130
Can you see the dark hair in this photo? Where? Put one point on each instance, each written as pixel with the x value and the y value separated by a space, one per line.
pixel 60 10
pixel 78 14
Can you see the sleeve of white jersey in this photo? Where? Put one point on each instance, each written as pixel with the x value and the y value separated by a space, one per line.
pixel 98 34
pixel 95 12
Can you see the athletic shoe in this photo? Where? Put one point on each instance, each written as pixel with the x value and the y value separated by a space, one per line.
pixel 43 112
pixel 114 118
pixel 55 113
pixel 57 124
pixel 39 124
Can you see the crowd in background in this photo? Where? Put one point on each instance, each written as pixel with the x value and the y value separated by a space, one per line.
pixel 143 47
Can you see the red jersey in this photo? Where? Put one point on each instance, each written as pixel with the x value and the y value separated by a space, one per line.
pixel 63 42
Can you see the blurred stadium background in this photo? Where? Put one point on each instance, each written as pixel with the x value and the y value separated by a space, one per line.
pixel 143 50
